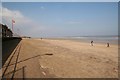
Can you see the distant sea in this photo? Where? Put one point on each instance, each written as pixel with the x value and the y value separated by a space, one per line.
pixel 112 40
pixel 96 39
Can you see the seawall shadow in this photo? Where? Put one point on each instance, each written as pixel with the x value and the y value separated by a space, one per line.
pixel 8 45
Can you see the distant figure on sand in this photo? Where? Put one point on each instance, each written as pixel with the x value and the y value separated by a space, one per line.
pixel 91 43
pixel 41 38
pixel 108 45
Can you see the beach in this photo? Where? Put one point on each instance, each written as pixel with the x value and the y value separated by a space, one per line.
pixel 59 39
pixel 59 58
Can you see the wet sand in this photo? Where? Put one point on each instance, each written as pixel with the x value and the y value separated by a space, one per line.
pixel 49 58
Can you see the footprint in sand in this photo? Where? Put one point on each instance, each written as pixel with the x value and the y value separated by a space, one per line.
pixel 115 69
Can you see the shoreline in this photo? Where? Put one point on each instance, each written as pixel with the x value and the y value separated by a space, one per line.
pixel 115 43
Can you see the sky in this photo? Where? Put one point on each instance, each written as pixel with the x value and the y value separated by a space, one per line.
pixel 60 19
pixel 59 0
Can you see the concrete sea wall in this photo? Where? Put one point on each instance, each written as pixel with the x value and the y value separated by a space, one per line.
pixel 8 45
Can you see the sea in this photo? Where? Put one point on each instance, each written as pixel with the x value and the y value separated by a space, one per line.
pixel 96 39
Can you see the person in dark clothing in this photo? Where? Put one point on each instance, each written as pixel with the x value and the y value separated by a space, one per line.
pixel 108 45
pixel 91 43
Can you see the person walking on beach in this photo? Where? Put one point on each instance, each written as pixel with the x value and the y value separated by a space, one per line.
pixel 91 43
pixel 108 45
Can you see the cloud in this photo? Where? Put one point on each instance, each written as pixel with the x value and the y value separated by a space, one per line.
pixel 19 18
pixel 23 24
pixel 0 13
pixel 9 13
pixel 74 22
pixel 42 7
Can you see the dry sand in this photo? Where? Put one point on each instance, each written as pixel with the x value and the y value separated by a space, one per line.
pixel 70 59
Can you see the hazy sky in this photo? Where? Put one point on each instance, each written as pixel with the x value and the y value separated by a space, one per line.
pixel 52 19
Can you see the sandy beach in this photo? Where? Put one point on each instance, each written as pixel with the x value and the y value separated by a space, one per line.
pixel 59 39
pixel 49 58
